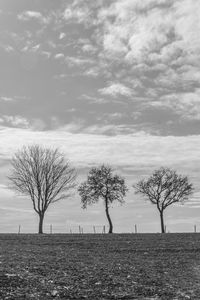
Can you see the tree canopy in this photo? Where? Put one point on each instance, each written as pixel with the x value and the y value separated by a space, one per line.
pixel 44 175
pixel 101 183
pixel 164 188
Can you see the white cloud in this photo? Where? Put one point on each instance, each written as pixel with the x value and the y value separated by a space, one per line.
pixel 77 61
pixel 36 48
pixel 62 35
pixel 140 153
pixel 146 26
pixel 13 209
pixel 59 55
pixel 31 15
pixel 8 48
pixel 21 122
pixel 116 89
pixel 83 149
pixel 153 36
pixel 133 33
pixel 16 121
pixel 187 105
pixel 7 99
pixel 187 23
pixel 45 54
pixel 77 14
pixel 89 48
pixel 92 72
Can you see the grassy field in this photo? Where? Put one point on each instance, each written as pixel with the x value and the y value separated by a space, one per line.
pixel 118 266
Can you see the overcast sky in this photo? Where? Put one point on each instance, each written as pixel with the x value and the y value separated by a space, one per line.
pixel 115 82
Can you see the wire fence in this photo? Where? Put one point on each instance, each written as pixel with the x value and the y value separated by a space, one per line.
pixel 92 229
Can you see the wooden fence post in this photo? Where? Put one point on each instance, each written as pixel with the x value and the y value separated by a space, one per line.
pixel 19 229
pixel 135 228
pixel 94 229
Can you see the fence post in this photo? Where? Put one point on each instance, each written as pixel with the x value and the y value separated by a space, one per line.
pixel 165 228
pixel 51 229
pixel 19 229
pixel 135 228
pixel 82 230
pixel 79 229
pixel 94 229
pixel 70 231
pixel 195 228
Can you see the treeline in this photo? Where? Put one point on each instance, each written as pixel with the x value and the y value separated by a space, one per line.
pixel 45 176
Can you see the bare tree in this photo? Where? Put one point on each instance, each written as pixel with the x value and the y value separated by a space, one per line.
pixel 44 175
pixel 164 188
pixel 101 183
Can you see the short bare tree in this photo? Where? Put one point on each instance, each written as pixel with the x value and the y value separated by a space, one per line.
pixel 44 175
pixel 164 188
pixel 102 184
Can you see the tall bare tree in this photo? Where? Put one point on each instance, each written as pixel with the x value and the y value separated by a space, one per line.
pixel 164 188
pixel 44 175
pixel 102 184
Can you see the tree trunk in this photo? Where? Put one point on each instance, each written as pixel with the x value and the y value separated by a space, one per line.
pixel 41 219
pixel 162 222
pixel 109 219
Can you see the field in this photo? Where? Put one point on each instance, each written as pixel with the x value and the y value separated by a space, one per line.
pixel 118 266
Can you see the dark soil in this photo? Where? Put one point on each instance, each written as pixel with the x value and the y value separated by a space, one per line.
pixel 118 266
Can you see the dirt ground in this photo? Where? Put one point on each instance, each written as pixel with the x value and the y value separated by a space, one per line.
pixel 94 266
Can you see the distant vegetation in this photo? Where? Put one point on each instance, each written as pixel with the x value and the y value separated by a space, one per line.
pixel 46 177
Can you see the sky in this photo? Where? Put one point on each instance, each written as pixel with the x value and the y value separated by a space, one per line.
pixel 114 82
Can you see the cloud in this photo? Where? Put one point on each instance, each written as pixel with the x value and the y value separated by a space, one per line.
pixel 92 72
pixel 110 129
pixel 13 209
pixel 88 48
pixel 187 104
pixel 137 67
pixel 77 61
pixel 59 56
pixel 133 30
pixel 16 121
pixel 187 23
pixel 45 54
pixel 116 89
pixel 13 99
pixel 62 35
pixel 136 29
pixel 32 15
pixel 94 99
pixel 8 48
pixel 76 14
pixel 136 149
pixel 7 99
pixel 133 155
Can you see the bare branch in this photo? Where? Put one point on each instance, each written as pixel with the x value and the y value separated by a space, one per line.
pixel 102 184
pixel 164 188
pixel 43 174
